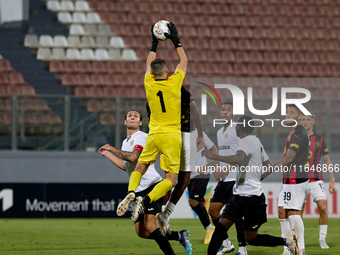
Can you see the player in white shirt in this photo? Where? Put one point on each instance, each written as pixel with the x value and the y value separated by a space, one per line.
pixel 126 159
pixel 248 200
pixel 198 185
pixel 228 142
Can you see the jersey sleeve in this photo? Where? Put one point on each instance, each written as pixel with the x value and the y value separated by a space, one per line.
pixel 207 142
pixel 178 77
pixel 297 140
pixel 139 143
pixel 264 155
pixel 244 146
pixel 148 77
pixel 324 149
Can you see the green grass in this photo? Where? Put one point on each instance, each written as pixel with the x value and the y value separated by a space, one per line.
pixel 118 237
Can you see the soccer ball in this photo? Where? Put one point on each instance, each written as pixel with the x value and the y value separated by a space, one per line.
pixel 160 28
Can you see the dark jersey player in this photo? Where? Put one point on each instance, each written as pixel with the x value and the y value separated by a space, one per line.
pixel 316 187
pixel 294 189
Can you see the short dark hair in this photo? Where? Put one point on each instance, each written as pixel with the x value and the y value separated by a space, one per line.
pixel 227 102
pixel 297 108
pixel 140 115
pixel 246 127
pixel 158 66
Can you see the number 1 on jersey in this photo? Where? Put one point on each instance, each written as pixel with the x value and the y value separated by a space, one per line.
pixel 160 95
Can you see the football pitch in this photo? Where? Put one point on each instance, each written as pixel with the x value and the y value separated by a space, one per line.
pixel 117 237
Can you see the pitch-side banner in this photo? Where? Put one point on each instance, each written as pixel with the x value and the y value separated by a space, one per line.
pixel 271 191
pixel 54 200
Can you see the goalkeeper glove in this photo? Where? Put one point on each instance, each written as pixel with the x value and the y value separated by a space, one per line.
pixel 154 41
pixel 173 36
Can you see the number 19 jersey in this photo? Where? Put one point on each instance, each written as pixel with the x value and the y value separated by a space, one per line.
pixel 164 99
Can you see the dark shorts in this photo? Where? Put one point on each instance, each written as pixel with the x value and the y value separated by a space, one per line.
pixel 253 209
pixel 153 208
pixel 222 192
pixel 197 188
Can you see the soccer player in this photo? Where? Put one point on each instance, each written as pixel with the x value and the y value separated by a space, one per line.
pixel 316 186
pixel 126 159
pixel 164 98
pixel 248 200
pixel 188 154
pixel 294 188
pixel 198 185
pixel 228 142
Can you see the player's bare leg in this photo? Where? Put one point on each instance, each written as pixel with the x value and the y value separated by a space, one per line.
pixel 323 223
pixel 133 184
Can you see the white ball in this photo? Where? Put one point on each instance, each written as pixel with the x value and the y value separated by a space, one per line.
pixel 160 28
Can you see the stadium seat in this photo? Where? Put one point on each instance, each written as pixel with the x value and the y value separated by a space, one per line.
pixel 282 70
pixel 256 57
pixel 241 57
pixel 226 69
pixel 44 54
pixel 81 91
pixel 260 33
pixel 27 90
pixel 90 29
pixel 13 90
pixel 336 71
pixel 228 56
pixel 261 22
pixel 268 70
pixel 98 80
pixel 328 58
pixel 65 17
pixel 99 67
pixel 93 105
pixel 58 54
pixel 73 54
pixel 244 44
pixel 326 45
pixel 104 29
pixel 194 8
pixel 67 6
pixel 85 67
pixel 73 41
pixel 3 79
pixel 270 57
pixel 108 6
pixel 236 10
pixel 93 17
pixel 248 22
pixel 70 67
pixel 5 66
pixel 312 58
pixel 53 5
pixel 56 66
pixel 115 54
pixel 87 54
pixel 69 80
pixel 83 80
pixel 298 58
pixel 285 45
pixel 107 17
pixel 324 71
pixel 129 55
pixel 206 20
pixel 232 32
pixel 82 6
pixel 101 54
pixel 245 33
pixel 284 57
pixel 254 70
pixel 45 41
pixel 296 70
pixel 31 41
pixel 202 44
pixel 102 42
pixel 3 91
pixel 218 32
pixel 60 41
pixel 240 69
pixel 230 44
pixel 77 29
pixel 310 71
pixel 221 20
pixel 79 17
pixel 88 42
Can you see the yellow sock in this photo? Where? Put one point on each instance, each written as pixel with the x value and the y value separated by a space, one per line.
pixel 160 190
pixel 134 181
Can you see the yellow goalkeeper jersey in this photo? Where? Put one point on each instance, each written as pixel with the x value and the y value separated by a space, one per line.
pixel 164 99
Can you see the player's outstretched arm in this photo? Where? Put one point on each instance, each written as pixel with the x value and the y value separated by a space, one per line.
pixel 267 169
pixel 286 159
pixel 173 36
pixel 152 54
pixel 115 160
pixel 327 161
pixel 233 159
pixel 124 155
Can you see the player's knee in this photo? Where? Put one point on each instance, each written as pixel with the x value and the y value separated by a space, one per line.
pixel 322 210
pixel 193 203
pixel 213 213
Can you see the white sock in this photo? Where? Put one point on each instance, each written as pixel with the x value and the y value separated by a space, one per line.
pixel 323 232
pixel 226 242
pixel 242 249
pixel 286 230
pixel 209 227
pixel 298 229
pixel 169 208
